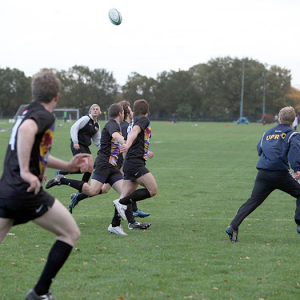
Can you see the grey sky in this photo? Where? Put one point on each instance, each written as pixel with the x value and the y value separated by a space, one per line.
pixel 154 36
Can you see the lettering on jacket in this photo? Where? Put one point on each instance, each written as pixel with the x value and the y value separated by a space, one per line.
pixel 275 136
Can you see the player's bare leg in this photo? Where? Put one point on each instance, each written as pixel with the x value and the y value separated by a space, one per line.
pixel 5 226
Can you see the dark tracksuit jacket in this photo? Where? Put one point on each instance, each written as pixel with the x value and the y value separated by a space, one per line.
pixel 277 148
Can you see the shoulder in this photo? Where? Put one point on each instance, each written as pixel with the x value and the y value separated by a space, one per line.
pixel 83 120
pixel 141 120
pixel 112 124
pixel 40 115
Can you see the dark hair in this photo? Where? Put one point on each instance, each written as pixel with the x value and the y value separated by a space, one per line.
pixel 114 110
pixel 125 104
pixel 140 107
pixel 45 86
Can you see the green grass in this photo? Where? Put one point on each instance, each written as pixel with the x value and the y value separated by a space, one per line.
pixel 204 173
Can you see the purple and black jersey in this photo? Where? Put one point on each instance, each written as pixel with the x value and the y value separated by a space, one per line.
pixel 110 148
pixel 11 184
pixel 140 147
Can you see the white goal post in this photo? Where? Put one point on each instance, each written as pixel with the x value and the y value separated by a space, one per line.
pixel 68 110
pixel 62 110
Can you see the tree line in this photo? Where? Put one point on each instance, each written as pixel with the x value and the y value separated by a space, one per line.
pixel 207 91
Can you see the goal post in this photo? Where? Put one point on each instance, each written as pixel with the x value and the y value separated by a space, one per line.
pixel 19 111
pixel 72 113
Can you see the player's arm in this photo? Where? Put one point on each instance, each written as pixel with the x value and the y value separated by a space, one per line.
pixel 79 124
pixel 294 155
pixel 81 161
pixel 131 138
pixel 97 138
pixel 118 137
pixel 26 136
pixel 259 146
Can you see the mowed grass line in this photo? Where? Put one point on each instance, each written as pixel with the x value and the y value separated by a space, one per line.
pixel 204 173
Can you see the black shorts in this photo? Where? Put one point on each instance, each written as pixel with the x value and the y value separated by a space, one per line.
pixel 120 161
pixel 134 169
pixel 82 149
pixel 106 173
pixel 26 209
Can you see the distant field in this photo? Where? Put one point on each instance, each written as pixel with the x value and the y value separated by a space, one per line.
pixel 204 171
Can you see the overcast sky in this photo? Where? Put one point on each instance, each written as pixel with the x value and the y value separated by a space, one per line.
pixel 155 36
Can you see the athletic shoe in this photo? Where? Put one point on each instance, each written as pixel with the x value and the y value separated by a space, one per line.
pixel 32 295
pixel 120 208
pixel 137 225
pixel 57 173
pixel 140 214
pixel 54 181
pixel 116 230
pixel 233 234
pixel 74 202
pixel 298 229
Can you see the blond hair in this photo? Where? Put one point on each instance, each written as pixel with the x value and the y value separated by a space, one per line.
pixel 93 107
pixel 287 115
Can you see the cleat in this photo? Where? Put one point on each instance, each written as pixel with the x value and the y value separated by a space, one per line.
pixel 116 230
pixel 120 208
pixel 74 202
pixel 298 229
pixel 57 173
pixel 54 181
pixel 140 214
pixel 32 295
pixel 233 234
pixel 137 225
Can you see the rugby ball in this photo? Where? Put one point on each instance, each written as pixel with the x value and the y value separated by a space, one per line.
pixel 115 16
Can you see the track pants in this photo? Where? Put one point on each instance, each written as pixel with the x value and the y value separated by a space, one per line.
pixel 265 183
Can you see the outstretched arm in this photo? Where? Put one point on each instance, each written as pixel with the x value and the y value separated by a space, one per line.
pixel 81 161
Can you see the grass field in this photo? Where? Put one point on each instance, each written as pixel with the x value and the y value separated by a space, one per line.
pixel 204 173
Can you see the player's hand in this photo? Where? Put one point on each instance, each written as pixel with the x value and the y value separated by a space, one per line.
pixel 150 154
pixel 76 146
pixel 82 161
pixel 34 182
pixel 124 148
pixel 297 175
pixel 44 177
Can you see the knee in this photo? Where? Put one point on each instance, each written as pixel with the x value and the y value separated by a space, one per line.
pixel 105 188
pixel 153 192
pixel 75 235
pixel 93 191
pixel 70 236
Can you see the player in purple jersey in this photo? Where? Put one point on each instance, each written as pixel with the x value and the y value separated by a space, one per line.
pixel 135 171
pixel 105 166
pixel 22 198
pixel 128 117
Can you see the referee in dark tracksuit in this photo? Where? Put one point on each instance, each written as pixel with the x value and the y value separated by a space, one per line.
pixel 278 147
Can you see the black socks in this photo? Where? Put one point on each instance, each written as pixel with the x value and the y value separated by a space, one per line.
pixel 56 258
pixel 137 195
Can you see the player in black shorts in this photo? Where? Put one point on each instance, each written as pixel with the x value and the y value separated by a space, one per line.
pixel 135 171
pixel 128 117
pixel 105 168
pixel 82 132
pixel 22 198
